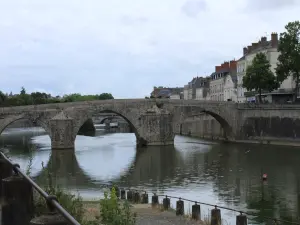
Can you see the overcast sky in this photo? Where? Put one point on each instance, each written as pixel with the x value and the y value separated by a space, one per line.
pixel 126 47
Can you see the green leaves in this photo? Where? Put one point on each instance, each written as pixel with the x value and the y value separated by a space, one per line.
pixel 115 213
pixel 289 58
pixel 259 75
pixel 43 98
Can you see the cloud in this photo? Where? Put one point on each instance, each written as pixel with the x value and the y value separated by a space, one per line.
pixel 193 7
pixel 267 5
pixel 125 47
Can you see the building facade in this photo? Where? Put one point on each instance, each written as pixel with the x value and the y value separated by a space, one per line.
pixel 167 92
pixel 270 49
pixel 197 88
pixel 223 82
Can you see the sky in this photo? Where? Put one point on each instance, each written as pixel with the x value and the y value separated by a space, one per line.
pixel 125 47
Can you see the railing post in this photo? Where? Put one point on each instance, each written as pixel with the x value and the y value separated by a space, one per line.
pixel 145 199
pixel 123 194
pixel 5 171
pixel 52 218
pixel 18 200
pixel 196 212
pixel 130 195
pixel 215 216
pixel 241 219
pixel 136 197
pixel 166 203
pixel 154 200
pixel 179 207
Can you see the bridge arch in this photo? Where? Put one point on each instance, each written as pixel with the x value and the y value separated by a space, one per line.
pixel 126 116
pixel 9 120
pixel 224 118
pixel 228 130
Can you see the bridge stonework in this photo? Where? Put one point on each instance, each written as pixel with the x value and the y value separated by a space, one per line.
pixel 154 122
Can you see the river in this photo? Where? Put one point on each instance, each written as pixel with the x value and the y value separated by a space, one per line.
pixel 212 172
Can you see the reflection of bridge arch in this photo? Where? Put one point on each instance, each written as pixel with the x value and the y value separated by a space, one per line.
pixel 153 165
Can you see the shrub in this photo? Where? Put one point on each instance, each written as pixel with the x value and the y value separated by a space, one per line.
pixel 71 203
pixel 114 212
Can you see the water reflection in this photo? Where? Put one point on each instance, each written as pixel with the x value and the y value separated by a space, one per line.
pixel 64 170
pixel 195 169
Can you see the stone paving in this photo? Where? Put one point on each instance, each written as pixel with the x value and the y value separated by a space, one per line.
pixel 148 216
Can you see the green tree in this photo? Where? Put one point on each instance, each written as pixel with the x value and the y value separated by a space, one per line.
pixel 289 58
pixel 259 76
pixel 3 98
pixel 23 91
pixel 105 96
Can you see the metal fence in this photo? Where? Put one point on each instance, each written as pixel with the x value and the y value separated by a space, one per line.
pixel 17 193
pixel 140 196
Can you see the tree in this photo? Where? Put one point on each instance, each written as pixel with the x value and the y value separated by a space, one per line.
pixel 259 76
pixel 289 58
pixel 105 96
pixel 3 98
pixel 23 91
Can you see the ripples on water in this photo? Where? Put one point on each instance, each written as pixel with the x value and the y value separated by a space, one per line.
pixel 193 169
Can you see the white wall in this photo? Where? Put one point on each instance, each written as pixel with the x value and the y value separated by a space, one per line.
pixel 175 96
pixel 217 89
pixel 185 94
pixel 199 94
pixel 229 89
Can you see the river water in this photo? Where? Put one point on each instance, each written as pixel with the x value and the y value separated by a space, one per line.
pixel 211 172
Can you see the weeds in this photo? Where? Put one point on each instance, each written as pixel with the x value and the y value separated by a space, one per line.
pixel 114 212
pixel 111 210
pixel 70 202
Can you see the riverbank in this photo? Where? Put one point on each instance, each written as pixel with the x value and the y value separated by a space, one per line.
pixel 255 141
pixel 208 128
pixel 146 215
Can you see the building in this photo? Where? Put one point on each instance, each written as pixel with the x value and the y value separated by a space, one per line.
pixel 202 88
pixel 166 92
pixel 197 88
pixel 284 93
pixel 223 82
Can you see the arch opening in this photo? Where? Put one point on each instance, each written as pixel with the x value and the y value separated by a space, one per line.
pixel 224 124
pixel 226 127
pixel 132 127
pixel 19 133
pixel 106 118
pixel 87 128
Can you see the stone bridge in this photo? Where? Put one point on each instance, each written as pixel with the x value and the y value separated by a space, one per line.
pixel 155 122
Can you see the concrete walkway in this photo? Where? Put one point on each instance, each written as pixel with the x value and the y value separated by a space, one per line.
pixel 146 215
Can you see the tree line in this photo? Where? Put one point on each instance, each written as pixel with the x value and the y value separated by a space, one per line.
pixel 35 98
pixel 259 76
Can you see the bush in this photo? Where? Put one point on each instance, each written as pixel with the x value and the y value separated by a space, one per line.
pixel 73 204
pixel 114 212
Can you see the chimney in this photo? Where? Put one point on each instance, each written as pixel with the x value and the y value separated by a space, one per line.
pixel 245 51
pixel 274 40
pixel 233 64
pixel 249 48
pixel 263 41
pixel 254 46
pixel 226 65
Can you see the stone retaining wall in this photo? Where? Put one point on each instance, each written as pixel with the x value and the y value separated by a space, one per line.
pixel 203 127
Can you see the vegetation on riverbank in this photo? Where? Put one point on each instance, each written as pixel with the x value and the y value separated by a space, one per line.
pixel 35 98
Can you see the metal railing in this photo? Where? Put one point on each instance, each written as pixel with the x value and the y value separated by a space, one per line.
pixel 131 198
pixel 51 201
